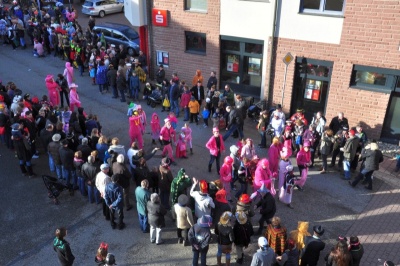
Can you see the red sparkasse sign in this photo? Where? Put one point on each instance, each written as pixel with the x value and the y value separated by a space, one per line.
pixel 160 17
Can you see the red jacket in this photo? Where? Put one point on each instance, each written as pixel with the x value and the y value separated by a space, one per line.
pixel 212 145
pixel 167 134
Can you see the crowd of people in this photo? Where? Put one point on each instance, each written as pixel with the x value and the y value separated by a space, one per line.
pixel 102 168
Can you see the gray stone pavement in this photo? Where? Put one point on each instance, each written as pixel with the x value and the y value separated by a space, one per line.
pixel 378 225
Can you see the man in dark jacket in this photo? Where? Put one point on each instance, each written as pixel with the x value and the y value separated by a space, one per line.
pixel 200 238
pixel 174 96
pixel 372 157
pixel 113 198
pixel 119 168
pixel 54 155
pixel 338 122
pixel 160 75
pixel 235 122
pixel 313 246
pixel 67 161
pixel 46 135
pixel 268 207
pixel 89 171
pixel 198 92
pixel 112 79
pixel 84 148
pixel 30 124
pixel 349 151
pixel 212 81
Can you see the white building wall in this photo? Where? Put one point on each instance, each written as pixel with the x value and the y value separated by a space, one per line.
pixel 293 25
pixel 248 19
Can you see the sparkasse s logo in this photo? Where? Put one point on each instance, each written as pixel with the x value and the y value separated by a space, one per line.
pixel 160 17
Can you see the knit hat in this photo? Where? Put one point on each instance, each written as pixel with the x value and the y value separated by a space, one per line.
pixel 352 132
pixel 56 137
pixel 183 200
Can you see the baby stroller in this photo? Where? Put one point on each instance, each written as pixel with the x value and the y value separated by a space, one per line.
pixel 155 98
pixel 55 187
pixel 254 110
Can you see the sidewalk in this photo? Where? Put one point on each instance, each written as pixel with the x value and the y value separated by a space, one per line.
pixel 378 225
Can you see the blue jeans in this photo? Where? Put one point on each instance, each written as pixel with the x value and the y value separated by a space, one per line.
pixel 203 258
pixel 135 93
pixel 101 87
pixel 55 168
pixel 144 226
pixel 82 186
pixel 263 138
pixel 80 69
pixel 346 169
pixel 22 41
pixel 232 129
pixel 94 194
pixel 115 91
pixel 186 114
pixel 175 107
pixel 68 174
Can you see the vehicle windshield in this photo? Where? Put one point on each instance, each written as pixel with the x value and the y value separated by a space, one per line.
pixel 130 33
pixel 88 3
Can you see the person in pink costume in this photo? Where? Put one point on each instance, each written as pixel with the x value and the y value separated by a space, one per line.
pixel 155 128
pixel 225 174
pixel 167 136
pixel 286 140
pixel 142 116
pixel 73 97
pixel 263 175
pixel 53 90
pixel 303 162
pixel 136 129
pixel 180 151
pixel 248 150
pixel 283 163
pixel 188 136
pixel 216 147
pixel 172 118
pixel 69 73
pixel 274 156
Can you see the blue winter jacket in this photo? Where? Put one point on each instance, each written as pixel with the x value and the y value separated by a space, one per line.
pixel 114 196
pixel 134 83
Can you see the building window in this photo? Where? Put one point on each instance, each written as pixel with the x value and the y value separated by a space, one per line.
pixel 374 78
pixel 196 5
pixel 328 7
pixel 195 42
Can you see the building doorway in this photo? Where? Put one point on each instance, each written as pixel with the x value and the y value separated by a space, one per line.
pixel 391 126
pixel 311 86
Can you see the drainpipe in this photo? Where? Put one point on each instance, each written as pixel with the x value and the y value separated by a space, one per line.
pixel 150 55
pixel 272 57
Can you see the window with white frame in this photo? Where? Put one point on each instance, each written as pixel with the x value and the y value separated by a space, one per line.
pixel 196 5
pixel 323 7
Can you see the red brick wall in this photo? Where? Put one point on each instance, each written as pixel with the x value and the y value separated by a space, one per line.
pixel 370 37
pixel 172 39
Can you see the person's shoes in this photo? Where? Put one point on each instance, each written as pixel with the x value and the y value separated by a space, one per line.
pixel 159 243
pixel 32 175
pixel 107 218
pixel 185 243
pixel 299 188
pixel 368 187
pixel 35 156
pixel 290 206
pixel 152 241
pixel 184 157
pixel 121 226
pixel 162 110
pixel 350 183
pixel 322 171
pixel 129 207
pixel 113 226
pixel 344 178
pixel 180 240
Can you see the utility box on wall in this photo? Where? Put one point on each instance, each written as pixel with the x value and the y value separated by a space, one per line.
pixel 135 12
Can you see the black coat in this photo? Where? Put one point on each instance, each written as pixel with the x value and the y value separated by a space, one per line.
pixel 67 157
pixel 312 249
pixel 337 124
pixel 372 159
pixel 268 206
pixel 123 172
pixel 156 212
pixel 243 233
pixel 86 151
pixel 225 234
pixel 54 149
pixel 195 92
pixel 64 252
pixel 89 172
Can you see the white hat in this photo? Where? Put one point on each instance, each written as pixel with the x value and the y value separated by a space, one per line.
pixel 208 100
pixel 166 120
pixel 128 64
pixel 73 85
pixel 56 137
pixel 262 242
pixel 104 166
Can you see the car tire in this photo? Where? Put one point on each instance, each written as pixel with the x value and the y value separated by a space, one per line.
pixel 102 14
pixel 131 51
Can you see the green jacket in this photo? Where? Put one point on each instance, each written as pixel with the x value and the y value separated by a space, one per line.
pixel 179 186
pixel 142 197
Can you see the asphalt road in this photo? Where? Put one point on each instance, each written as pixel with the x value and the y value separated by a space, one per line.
pixel 29 218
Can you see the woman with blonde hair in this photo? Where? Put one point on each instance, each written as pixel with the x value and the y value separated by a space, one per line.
pixel 299 234
pixel 102 147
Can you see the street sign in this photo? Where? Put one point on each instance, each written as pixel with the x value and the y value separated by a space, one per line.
pixel 288 58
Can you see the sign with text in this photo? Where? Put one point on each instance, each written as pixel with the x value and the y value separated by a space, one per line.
pixel 160 17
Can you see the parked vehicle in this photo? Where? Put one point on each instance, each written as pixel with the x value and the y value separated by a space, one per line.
pixel 117 34
pixel 102 7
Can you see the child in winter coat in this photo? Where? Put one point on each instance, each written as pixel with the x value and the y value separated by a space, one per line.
pixel 92 74
pixel 181 146
pixel 185 99
pixel 188 136
pixel 155 128
pixel 303 162
pixel 286 192
pixel 172 118
pixel 226 176
pixel 194 108
pixel 206 115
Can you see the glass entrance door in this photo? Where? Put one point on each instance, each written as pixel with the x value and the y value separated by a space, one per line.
pixel 391 126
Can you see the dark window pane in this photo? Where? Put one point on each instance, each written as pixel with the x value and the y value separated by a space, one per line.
pixel 334 5
pixel 230 45
pixel 311 4
pixel 317 70
pixel 195 42
pixel 230 68
pixel 253 48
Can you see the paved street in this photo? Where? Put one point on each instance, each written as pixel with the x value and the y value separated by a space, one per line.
pixel 29 217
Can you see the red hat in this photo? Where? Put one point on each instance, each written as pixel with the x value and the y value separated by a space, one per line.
pixel 221 196
pixel 203 186
pixel 352 132
pixel 244 198
pixel 35 99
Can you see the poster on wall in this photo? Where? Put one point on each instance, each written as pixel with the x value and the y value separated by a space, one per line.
pixel 232 63
pixel 162 58
pixel 254 66
pixel 313 90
